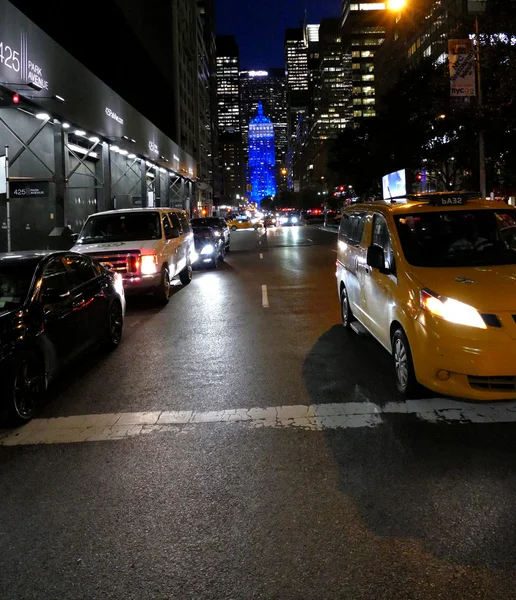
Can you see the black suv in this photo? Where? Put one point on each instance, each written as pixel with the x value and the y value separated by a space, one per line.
pixel 218 225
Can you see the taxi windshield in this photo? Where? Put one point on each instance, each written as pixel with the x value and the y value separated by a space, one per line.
pixel 458 238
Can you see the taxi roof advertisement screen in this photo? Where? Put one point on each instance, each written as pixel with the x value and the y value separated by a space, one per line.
pixel 394 184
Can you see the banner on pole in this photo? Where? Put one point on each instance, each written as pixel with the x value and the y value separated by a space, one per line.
pixel 3 176
pixel 461 56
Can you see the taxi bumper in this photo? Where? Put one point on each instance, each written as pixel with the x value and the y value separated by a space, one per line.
pixel 481 367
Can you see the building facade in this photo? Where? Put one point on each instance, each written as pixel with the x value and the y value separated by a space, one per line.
pixel 268 87
pixel 262 163
pixel 74 145
pixel 363 32
pixel 231 156
pixel 420 30
pixel 298 93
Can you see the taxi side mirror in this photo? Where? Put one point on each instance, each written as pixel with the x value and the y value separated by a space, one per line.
pixel 376 258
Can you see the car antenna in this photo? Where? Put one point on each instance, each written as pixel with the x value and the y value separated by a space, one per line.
pixel 392 199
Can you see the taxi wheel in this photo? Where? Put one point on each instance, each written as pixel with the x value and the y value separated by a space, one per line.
pixel 403 365
pixel 345 310
pixel 233 228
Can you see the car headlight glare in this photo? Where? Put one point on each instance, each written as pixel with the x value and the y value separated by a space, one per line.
pixel 217 233
pixel 208 249
pixel 295 219
pixel 149 264
pixel 451 310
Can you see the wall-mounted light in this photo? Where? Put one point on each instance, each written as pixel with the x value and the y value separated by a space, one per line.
pixel 80 132
pixel 94 140
pixel 66 126
pixel 43 116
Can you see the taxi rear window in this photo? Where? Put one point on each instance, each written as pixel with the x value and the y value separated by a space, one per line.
pixel 458 238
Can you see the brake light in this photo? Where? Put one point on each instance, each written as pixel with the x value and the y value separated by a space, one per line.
pixel 133 263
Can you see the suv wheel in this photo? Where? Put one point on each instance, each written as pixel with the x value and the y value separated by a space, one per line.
pixel 403 366
pixel 162 293
pixel 186 274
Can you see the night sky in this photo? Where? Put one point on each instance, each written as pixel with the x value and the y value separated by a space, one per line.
pixel 259 27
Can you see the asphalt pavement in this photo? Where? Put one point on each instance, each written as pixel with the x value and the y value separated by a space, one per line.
pixel 247 446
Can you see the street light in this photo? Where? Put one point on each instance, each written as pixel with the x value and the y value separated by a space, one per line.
pixel 396 4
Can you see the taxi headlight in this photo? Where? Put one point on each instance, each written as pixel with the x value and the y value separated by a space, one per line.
pixel 208 249
pixel 149 264
pixel 451 310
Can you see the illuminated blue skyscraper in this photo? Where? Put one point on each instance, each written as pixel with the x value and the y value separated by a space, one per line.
pixel 262 166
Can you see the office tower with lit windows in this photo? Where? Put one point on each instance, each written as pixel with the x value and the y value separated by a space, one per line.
pixel 296 63
pixel 333 104
pixel 268 86
pixel 262 163
pixel 231 158
pixel 363 31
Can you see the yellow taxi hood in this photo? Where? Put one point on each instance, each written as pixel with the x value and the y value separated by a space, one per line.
pixel 488 289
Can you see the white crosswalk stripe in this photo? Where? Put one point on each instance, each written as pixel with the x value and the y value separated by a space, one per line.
pixel 315 417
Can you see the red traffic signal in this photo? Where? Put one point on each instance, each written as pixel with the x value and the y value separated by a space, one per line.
pixel 16 98
pixel 341 188
pixel 419 177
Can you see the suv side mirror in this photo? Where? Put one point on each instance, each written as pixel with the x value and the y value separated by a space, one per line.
pixel 75 237
pixel 376 258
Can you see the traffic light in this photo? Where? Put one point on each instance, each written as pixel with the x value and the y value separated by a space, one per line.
pixel 12 100
pixel 419 177
pixel 341 188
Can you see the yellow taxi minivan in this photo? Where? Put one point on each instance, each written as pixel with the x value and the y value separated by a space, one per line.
pixel 433 278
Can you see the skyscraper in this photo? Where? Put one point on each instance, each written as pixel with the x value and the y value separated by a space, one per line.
pixel 298 89
pixel 229 126
pixel 269 87
pixel 363 30
pixel 262 164
pixel 333 103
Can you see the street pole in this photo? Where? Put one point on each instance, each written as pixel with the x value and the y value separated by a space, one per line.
pixel 481 143
pixel 7 202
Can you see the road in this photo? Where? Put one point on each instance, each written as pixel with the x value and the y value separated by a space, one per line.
pixel 240 444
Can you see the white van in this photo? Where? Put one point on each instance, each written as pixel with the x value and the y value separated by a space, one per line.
pixel 147 246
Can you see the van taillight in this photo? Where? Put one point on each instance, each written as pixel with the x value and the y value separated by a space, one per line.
pixel 133 264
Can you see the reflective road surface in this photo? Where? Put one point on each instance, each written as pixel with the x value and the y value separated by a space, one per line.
pixel 240 444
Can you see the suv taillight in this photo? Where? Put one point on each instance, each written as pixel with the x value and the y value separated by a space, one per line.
pixel 133 263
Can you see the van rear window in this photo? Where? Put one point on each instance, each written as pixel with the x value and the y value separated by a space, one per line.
pixel 352 228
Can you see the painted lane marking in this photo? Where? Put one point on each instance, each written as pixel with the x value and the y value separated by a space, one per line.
pixel 313 417
pixel 265 297
pixel 261 255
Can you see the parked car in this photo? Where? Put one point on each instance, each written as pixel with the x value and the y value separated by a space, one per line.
pixel 53 307
pixel 209 246
pixel 147 246
pixel 218 224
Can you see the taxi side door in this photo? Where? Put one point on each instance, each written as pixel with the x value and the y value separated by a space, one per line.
pixel 351 234
pixel 380 284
